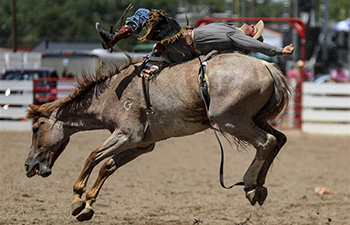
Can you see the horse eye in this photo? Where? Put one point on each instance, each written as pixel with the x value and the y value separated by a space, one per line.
pixel 35 129
pixel 42 122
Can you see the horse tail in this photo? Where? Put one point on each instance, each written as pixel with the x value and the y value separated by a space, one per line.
pixel 278 101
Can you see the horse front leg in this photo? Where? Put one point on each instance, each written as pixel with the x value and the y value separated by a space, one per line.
pixel 107 169
pixel 115 141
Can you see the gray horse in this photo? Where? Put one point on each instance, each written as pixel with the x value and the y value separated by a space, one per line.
pixel 245 94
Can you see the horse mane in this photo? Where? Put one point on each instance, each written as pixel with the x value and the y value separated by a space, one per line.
pixel 102 73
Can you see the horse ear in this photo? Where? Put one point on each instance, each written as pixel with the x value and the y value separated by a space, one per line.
pixel 33 107
pixel 33 111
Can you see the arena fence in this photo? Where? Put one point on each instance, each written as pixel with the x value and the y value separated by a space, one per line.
pixel 326 108
pixel 15 96
pixel 50 89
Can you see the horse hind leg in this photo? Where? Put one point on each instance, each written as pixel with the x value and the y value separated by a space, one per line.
pixel 263 142
pixel 107 169
pixel 281 140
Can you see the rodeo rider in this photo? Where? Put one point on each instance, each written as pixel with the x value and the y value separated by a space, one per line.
pixel 176 45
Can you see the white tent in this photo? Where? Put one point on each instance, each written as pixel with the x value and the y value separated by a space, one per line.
pixel 343 25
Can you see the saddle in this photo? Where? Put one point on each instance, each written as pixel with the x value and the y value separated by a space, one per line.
pixel 152 68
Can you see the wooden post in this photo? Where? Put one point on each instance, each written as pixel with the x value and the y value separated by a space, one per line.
pixel 14 26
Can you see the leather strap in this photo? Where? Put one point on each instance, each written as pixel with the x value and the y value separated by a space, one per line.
pixel 145 88
pixel 222 167
pixel 203 87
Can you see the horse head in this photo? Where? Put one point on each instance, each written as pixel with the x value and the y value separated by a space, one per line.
pixel 48 142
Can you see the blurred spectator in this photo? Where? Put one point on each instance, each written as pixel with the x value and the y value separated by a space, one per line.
pixel 340 75
pixel 299 73
pixel 65 72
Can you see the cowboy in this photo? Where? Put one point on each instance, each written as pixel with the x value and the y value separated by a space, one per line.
pixel 175 44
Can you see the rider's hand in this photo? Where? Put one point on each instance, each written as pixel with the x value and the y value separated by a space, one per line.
pixel 123 33
pixel 289 49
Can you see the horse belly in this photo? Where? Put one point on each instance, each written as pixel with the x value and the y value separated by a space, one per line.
pixel 168 125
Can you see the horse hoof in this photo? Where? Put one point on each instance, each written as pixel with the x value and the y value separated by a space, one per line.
pixel 256 194
pixel 262 194
pixel 77 207
pixel 86 214
pixel 250 194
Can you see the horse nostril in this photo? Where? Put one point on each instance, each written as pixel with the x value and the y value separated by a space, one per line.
pixel 26 166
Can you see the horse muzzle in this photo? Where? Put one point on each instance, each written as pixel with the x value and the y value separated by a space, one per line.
pixel 37 168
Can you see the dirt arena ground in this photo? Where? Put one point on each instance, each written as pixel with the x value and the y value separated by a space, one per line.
pixel 178 183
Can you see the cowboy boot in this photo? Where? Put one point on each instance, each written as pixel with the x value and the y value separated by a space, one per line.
pixel 108 40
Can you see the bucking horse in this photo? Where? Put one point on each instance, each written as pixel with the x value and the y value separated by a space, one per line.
pixel 245 94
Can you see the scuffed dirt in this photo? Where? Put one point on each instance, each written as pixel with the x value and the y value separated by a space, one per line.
pixel 178 183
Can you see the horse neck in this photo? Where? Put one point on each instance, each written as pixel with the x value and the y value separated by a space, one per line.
pixel 82 114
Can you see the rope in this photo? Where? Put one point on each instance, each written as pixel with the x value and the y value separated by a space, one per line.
pixel 128 8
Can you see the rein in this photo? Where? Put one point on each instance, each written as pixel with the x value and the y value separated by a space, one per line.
pixel 203 83
pixel 241 183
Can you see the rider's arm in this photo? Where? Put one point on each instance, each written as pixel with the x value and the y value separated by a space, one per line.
pixel 245 42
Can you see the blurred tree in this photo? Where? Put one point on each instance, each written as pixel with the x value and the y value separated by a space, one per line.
pixel 74 20
pixel 5 22
pixel 269 8
pixel 216 5
pixel 339 10
pixel 306 6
